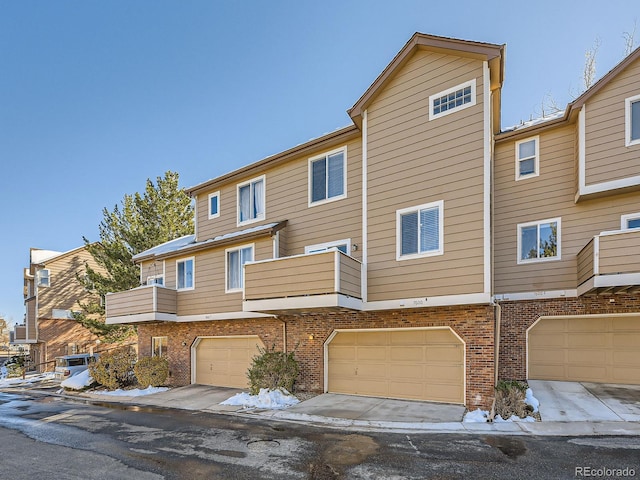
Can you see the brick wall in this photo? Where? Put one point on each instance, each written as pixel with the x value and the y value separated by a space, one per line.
pixel 517 317
pixel 474 324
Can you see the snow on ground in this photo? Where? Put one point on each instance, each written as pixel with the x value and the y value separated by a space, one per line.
pixel 483 415
pixel 136 392
pixel 476 416
pixel 514 418
pixel 3 372
pixel 29 378
pixel 79 381
pixel 269 399
pixel 531 400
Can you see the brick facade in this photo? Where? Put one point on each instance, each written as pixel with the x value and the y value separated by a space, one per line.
pixel 517 317
pixel 473 323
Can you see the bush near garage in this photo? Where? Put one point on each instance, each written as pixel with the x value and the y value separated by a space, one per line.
pixel 151 371
pixel 272 369
pixel 510 399
pixel 114 369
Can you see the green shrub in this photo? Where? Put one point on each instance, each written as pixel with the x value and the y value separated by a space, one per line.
pixel 14 370
pixel 510 395
pixel 152 371
pixel 273 370
pixel 114 369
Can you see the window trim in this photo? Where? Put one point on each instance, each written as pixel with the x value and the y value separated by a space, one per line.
pixel 162 353
pixel 327 245
pixel 226 266
pixel 628 142
pixel 151 280
pixel 520 260
pixel 624 219
pixel 310 176
pixel 43 278
pixel 431 253
pixel 264 200
pixel 471 83
pixel 209 197
pixel 536 158
pixel 193 274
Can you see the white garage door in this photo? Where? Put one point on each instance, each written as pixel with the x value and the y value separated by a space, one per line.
pixel 224 361
pixel 417 364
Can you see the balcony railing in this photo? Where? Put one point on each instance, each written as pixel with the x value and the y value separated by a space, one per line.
pixel 323 279
pixel 610 263
pixel 142 304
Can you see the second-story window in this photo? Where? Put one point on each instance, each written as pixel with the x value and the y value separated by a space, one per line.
pixel 632 120
pixel 327 177
pixel 251 201
pixel 420 231
pixel 42 277
pixel 452 100
pixel 630 221
pixel 539 241
pixel 527 158
pixel 184 274
pixel 236 258
pixel 214 205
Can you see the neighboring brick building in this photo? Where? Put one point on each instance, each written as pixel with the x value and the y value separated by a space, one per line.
pixel 398 254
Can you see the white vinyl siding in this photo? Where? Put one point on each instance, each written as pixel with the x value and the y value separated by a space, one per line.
pixel 185 274
pixel 452 100
pixel 527 158
pixel 327 177
pixel 251 201
pixel 419 231
pixel 539 241
pixel 236 258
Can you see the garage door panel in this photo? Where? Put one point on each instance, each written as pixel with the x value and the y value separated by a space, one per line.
pixel 342 353
pixel 591 349
pixel 395 364
pixel 224 361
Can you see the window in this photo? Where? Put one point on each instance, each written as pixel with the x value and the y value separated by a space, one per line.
pixel 184 274
pixel 236 258
pixel 214 205
pixel 159 346
pixel 343 245
pixel 251 201
pixel 629 221
pixel 419 231
pixel 155 280
pixel 43 277
pixel 452 100
pixel 527 158
pixel 327 177
pixel 539 241
pixel 632 121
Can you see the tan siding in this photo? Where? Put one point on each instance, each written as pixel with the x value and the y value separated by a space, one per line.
pixel 287 198
pixel 209 295
pixel 130 302
pixel 550 195
pixel 151 268
pixel 350 274
pixel 31 333
pixel 620 253
pixel 585 263
pixel 607 158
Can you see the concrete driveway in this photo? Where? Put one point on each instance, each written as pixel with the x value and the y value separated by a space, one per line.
pixel 586 402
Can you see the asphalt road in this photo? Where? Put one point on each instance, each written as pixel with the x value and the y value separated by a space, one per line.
pixel 50 437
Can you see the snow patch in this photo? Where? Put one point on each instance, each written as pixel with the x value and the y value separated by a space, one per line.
pixel 3 372
pixel 268 399
pixel 136 392
pixel 529 399
pixel 513 418
pixel 79 381
pixel 476 416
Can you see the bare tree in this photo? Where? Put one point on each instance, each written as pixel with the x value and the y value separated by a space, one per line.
pixel 629 39
pixel 589 71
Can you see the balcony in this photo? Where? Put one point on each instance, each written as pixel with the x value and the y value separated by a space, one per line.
pixel 610 263
pixel 302 283
pixel 20 335
pixel 149 303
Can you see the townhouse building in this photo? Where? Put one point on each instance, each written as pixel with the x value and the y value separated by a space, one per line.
pixel 417 253
pixel 51 293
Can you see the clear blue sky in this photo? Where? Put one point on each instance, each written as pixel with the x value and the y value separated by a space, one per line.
pixel 96 97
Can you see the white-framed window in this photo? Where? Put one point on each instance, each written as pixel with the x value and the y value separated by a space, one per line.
pixel 528 158
pixel 420 231
pixel 42 278
pixel 452 100
pixel 185 274
pixel 251 201
pixel 214 205
pixel 328 177
pixel 155 280
pixel 539 241
pixel 630 221
pixel 159 346
pixel 632 120
pixel 236 258
pixel 343 245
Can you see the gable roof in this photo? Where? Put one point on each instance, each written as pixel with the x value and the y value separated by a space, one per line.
pixel 420 41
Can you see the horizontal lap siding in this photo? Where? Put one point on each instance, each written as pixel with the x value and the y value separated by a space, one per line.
pixel 287 198
pixel 414 161
pixel 151 268
pixel 585 263
pixel 550 195
pixel 607 158
pixel 620 253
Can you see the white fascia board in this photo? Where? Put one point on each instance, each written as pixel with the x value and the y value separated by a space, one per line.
pixel 541 295
pixel 142 317
pixel 333 300
pixel 211 317
pixel 441 301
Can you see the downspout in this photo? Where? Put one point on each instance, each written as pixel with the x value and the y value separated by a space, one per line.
pixel 284 335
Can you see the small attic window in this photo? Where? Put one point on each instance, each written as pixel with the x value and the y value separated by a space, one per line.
pixel 452 100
